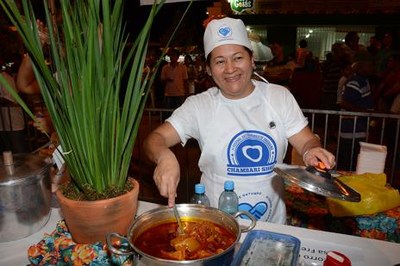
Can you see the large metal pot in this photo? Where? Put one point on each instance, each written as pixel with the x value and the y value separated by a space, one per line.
pixel 25 195
pixel 164 214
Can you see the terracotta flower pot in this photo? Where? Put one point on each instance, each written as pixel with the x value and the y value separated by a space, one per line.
pixel 90 221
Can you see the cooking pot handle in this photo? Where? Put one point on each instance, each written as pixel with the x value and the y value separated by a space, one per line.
pixel 251 217
pixel 121 250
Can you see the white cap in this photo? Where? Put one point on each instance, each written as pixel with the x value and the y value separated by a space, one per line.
pixel 225 31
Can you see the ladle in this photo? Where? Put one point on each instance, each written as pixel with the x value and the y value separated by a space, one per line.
pixel 178 219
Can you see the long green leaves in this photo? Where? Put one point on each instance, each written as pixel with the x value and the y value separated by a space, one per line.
pixel 82 87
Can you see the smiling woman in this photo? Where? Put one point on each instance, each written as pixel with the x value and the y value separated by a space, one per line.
pixel 243 127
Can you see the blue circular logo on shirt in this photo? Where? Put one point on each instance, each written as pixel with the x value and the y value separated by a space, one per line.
pixel 251 153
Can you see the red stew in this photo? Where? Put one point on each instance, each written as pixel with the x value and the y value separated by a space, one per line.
pixel 201 239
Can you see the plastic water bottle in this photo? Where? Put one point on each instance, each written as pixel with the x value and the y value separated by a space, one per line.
pixel 200 196
pixel 228 200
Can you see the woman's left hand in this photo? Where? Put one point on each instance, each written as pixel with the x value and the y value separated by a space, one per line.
pixel 316 155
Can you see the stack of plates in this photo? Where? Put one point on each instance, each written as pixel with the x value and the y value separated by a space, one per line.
pixel 371 159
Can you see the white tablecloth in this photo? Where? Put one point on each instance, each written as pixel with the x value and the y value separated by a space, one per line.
pixel 314 244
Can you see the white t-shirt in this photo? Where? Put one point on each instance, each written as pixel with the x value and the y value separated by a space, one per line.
pixel 242 140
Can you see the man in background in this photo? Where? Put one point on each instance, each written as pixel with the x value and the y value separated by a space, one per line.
pixel 174 78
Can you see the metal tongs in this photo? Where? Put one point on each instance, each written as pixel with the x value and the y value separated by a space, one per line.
pixel 178 219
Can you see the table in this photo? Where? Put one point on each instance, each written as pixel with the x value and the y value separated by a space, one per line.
pixel 314 244
pixel 309 210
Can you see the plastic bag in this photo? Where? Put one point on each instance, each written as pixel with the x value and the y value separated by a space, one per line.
pixel 376 196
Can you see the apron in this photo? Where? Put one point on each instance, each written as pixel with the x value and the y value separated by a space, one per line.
pixel 245 150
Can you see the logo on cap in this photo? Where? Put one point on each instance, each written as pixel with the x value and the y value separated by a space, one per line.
pixel 224 31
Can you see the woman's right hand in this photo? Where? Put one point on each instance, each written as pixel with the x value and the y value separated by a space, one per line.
pixel 167 176
pixel 167 172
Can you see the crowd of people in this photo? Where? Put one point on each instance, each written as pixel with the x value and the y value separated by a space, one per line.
pixel 344 61
pixel 190 71
pixel 328 79
pixel 179 76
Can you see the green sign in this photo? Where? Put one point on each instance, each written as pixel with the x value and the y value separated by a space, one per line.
pixel 242 6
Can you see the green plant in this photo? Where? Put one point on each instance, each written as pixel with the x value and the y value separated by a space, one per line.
pixel 81 89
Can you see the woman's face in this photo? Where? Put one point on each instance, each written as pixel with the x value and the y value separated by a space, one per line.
pixel 231 67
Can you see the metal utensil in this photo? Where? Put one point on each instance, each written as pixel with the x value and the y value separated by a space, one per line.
pixel 178 219
pixel 321 183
